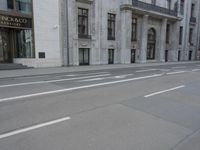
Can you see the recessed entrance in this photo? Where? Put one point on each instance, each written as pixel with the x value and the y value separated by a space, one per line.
pixel 151 46
pixel 111 56
pixel 84 56
pixel 5 46
pixel 133 53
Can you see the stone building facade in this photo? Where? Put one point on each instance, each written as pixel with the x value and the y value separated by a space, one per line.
pixel 92 32
pixel 145 31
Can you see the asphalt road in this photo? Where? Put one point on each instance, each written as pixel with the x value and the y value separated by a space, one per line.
pixel 146 108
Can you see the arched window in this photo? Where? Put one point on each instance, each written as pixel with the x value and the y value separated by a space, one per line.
pixel 151 35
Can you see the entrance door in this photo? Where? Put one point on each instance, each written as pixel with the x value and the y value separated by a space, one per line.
pixel 166 55
pixel 151 51
pixel 190 55
pixel 111 56
pixel 179 55
pixel 84 56
pixel 5 52
pixel 133 56
pixel 151 45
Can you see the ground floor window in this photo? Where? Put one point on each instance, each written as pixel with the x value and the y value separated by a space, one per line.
pixel 84 56
pixel 15 43
pixel 111 56
pixel 24 44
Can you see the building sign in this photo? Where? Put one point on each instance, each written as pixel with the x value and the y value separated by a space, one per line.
pixel 15 22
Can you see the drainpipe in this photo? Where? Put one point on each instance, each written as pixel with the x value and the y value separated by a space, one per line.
pixel 67 33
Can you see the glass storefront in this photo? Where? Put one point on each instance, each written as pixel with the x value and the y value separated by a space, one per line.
pixel 24 44
pixel 16 33
pixel 22 6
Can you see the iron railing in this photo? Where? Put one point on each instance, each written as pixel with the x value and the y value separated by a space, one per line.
pixel 153 7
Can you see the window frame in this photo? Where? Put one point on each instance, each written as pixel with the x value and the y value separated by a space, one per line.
pixel 82 25
pixel 134 29
pixel 111 26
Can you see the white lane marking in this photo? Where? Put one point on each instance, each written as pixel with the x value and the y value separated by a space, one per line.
pixel 6 135
pixel 95 73
pixel 165 70
pixel 52 81
pixel 164 91
pixel 77 88
pixel 139 71
pixel 177 72
pixel 94 79
pixel 180 67
pixel 113 77
pixel 29 77
pixel 71 75
pixel 194 70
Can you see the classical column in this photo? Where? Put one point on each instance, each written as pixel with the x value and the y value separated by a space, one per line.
pixel 143 40
pixel 163 41
pixel 126 19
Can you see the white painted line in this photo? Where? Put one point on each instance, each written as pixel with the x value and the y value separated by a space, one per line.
pixel 177 72
pixel 164 91
pixel 139 71
pixel 94 79
pixel 95 73
pixel 71 75
pixel 165 70
pixel 77 88
pixel 52 81
pixel 180 67
pixel 113 77
pixel 9 134
pixel 194 70
pixel 122 76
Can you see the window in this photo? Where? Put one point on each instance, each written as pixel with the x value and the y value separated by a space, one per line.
pixel 192 10
pixel 24 44
pixel 169 4
pixel 134 29
pixel 82 22
pixel 111 26
pixel 180 35
pixel 190 36
pixel 24 6
pixel 6 4
pixel 10 4
pixel 182 7
pixel 153 2
pixel 167 33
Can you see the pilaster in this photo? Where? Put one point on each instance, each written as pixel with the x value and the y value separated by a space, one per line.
pixel 143 40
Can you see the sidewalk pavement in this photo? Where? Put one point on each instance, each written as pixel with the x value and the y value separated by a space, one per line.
pixel 58 70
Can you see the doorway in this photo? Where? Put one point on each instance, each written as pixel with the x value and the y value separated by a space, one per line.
pixel 5 46
pixel 84 56
pixel 111 56
pixel 179 55
pixel 151 46
pixel 190 55
pixel 133 55
pixel 166 55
